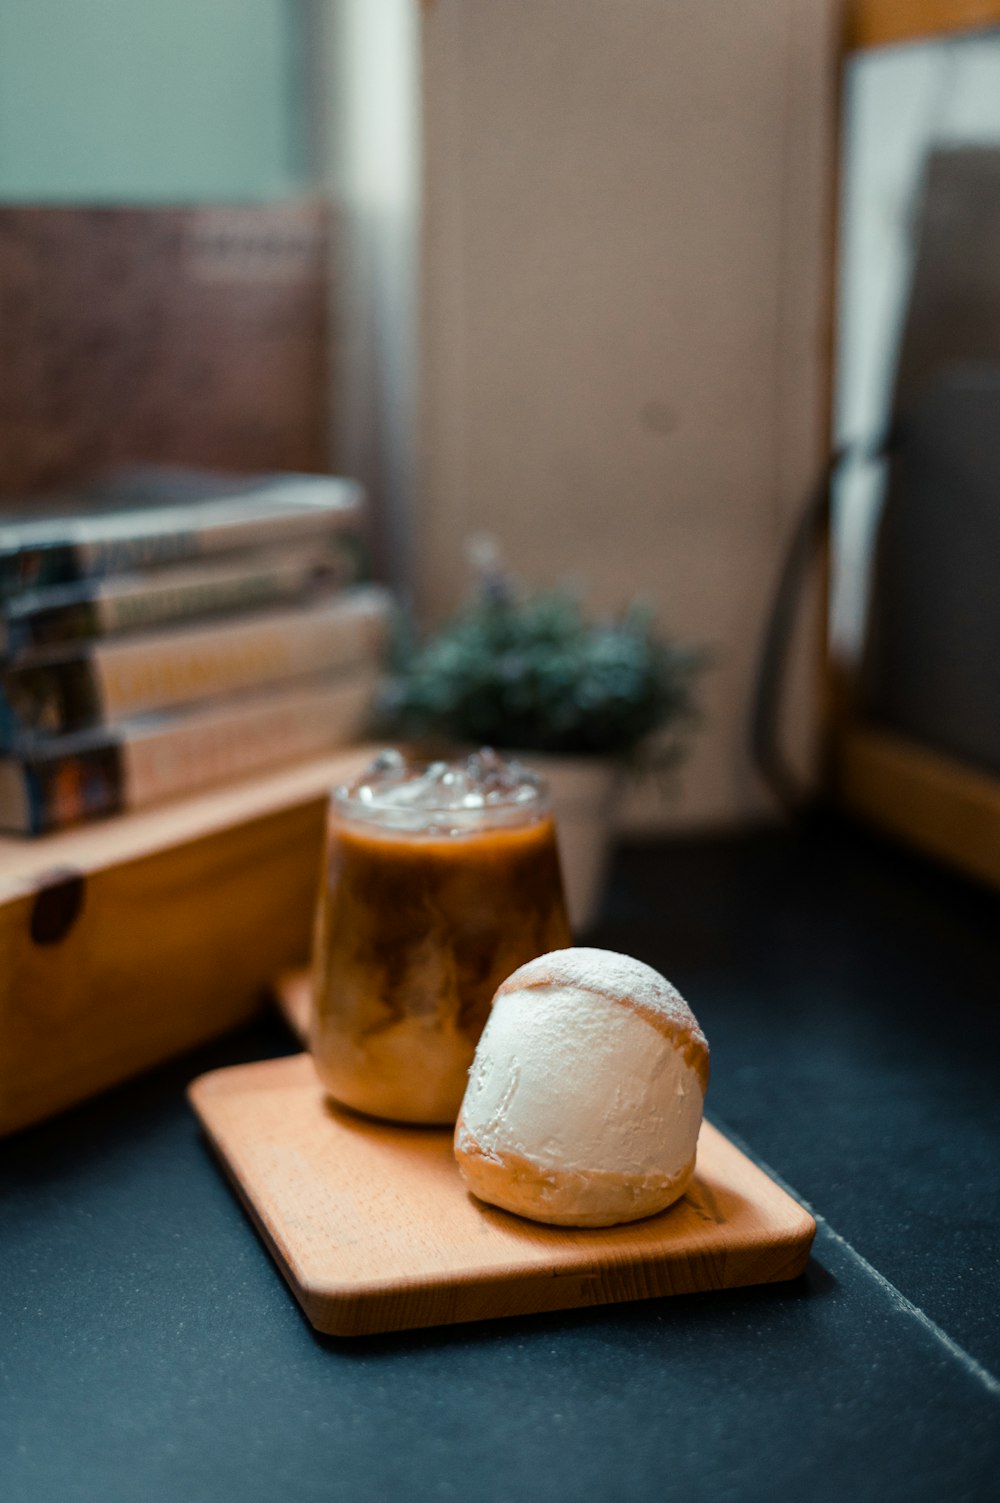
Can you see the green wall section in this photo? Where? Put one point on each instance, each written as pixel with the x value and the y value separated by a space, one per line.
pixel 150 101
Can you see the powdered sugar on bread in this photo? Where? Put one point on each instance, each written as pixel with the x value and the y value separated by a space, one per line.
pixel 621 979
pixel 585 1097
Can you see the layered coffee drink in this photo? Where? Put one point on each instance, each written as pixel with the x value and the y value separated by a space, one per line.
pixel 442 880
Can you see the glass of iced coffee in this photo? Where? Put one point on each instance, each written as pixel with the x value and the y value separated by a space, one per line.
pixel 442 880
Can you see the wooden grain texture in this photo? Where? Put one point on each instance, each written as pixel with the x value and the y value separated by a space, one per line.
pixel 374 1231
pixel 932 801
pixel 128 941
pixel 876 23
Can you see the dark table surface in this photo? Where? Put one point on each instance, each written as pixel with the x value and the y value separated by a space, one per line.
pixel 149 1350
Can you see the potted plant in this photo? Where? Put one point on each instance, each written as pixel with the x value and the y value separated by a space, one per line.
pixel 533 676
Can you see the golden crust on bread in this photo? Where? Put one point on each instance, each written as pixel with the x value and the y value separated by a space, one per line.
pixel 562 1197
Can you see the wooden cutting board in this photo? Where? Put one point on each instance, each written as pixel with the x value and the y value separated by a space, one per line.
pixel 374 1230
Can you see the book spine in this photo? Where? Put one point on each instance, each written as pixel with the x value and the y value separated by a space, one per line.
pixel 140 766
pixel 101 557
pixel 187 757
pixel 46 699
pixel 217 593
pixel 118 680
pixel 24 631
pixel 47 618
pixel 155 672
pixel 67 790
pixel 32 567
pixel 93 548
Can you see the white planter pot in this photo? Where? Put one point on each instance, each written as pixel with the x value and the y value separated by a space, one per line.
pixel 584 792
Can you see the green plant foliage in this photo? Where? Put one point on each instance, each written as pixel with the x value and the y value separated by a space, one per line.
pixel 532 673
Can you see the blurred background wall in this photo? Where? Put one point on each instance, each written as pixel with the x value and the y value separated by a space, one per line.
pixel 113 101
pixel 626 260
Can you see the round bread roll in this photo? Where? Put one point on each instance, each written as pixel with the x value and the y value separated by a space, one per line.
pixel 586 1092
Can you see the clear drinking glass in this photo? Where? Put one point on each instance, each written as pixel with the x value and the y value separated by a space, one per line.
pixel 441 881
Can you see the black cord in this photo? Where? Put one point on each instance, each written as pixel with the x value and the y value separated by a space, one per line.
pixel 807 540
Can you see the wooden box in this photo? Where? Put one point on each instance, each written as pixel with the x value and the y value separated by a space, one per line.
pixel 125 942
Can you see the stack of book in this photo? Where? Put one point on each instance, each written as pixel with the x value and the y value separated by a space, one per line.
pixel 167 631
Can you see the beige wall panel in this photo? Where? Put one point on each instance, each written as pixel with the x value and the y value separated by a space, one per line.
pixel 625 253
